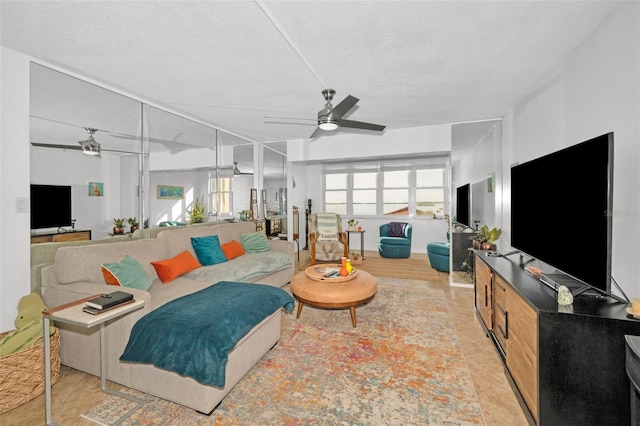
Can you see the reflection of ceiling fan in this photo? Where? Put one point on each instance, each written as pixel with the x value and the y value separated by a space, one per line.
pixel 89 146
pixel 237 172
pixel 330 117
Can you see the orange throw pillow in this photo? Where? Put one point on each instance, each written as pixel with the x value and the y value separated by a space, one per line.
pixel 170 269
pixel 232 249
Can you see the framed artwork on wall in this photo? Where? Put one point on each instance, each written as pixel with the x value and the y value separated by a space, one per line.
pixel 490 182
pixel 254 203
pixel 166 192
pixel 96 189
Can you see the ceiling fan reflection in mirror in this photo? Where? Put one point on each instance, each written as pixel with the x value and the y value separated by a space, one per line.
pixel 237 172
pixel 89 146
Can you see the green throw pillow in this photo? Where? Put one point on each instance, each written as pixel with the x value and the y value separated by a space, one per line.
pixel 127 272
pixel 255 242
pixel 208 250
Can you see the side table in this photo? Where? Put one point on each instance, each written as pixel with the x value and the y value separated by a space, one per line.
pixel 72 313
pixel 361 240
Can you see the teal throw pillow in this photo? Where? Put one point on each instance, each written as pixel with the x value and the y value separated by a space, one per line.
pixel 255 242
pixel 127 272
pixel 208 250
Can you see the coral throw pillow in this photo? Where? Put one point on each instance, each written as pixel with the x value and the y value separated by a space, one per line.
pixel 127 272
pixel 232 249
pixel 170 269
pixel 255 242
pixel 208 250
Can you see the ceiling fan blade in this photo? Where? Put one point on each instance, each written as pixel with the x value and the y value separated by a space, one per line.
pixel 51 145
pixel 343 107
pixel 77 148
pixel 316 133
pixel 361 125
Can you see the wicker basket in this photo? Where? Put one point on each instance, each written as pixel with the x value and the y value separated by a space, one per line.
pixel 22 373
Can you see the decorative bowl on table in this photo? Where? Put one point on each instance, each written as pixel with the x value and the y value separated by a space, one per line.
pixel 329 273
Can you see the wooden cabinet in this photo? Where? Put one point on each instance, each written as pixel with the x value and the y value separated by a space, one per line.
pixel 483 287
pixel 567 363
pixel 61 237
pixel 500 314
pixel 522 348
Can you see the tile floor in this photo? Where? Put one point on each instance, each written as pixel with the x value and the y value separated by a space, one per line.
pixel 76 392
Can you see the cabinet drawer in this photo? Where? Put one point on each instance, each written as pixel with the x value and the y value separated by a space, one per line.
pixel 501 325
pixel 483 292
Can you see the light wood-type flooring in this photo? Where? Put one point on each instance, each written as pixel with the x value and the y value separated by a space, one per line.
pixel 76 392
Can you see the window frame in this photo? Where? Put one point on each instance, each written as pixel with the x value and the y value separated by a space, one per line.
pixel 379 167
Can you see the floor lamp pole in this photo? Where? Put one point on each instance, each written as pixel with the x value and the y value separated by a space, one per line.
pixel 307 212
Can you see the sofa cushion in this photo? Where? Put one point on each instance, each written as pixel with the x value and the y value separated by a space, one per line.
pixel 396 229
pixel 255 242
pixel 232 249
pixel 83 263
pixel 169 269
pixel 244 268
pixel 208 250
pixel 127 272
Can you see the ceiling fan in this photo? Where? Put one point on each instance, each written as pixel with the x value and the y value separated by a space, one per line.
pixel 237 172
pixel 330 117
pixel 88 146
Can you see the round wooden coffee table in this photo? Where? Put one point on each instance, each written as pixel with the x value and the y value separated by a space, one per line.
pixel 334 295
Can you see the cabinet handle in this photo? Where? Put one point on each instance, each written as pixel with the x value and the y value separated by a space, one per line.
pixel 501 309
pixel 486 296
pixel 506 325
pixel 501 288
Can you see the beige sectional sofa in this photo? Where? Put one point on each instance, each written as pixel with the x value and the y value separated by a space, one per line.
pixel 76 274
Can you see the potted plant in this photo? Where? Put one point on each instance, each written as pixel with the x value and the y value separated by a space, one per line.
pixel 118 225
pixel 133 221
pixel 352 224
pixel 196 214
pixel 485 238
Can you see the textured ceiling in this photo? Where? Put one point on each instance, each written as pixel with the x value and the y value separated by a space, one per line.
pixel 231 63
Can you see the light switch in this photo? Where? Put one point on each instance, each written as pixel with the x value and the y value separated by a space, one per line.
pixel 22 205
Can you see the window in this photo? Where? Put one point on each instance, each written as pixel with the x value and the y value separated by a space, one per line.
pixel 415 187
pixel 221 198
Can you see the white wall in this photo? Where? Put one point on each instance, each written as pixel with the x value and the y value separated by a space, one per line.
pixel 194 184
pixel 595 91
pixel 14 184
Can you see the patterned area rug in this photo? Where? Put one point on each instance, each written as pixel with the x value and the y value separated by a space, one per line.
pixel 402 365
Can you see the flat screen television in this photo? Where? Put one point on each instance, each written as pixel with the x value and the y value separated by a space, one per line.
pixel 560 211
pixel 50 206
pixel 462 204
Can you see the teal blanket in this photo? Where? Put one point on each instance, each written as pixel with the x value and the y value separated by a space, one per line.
pixel 193 335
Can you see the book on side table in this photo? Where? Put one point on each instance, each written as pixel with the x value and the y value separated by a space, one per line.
pixel 107 301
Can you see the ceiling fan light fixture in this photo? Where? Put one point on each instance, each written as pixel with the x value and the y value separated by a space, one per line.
pixel 90 146
pixel 328 125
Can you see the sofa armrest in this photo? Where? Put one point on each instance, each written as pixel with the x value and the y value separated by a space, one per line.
pixel 286 247
pixel 36 277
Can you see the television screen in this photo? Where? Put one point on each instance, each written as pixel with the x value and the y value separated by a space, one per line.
pixel 560 210
pixel 50 206
pixel 462 204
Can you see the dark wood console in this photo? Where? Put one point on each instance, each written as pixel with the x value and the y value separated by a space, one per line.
pixel 59 237
pixel 567 363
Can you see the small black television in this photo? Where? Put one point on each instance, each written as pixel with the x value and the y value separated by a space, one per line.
pixel 561 207
pixel 50 206
pixel 462 204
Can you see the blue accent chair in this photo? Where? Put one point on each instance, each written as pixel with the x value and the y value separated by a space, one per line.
pixel 395 246
pixel 438 254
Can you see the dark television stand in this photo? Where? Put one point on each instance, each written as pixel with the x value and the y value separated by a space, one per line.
pixel 576 287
